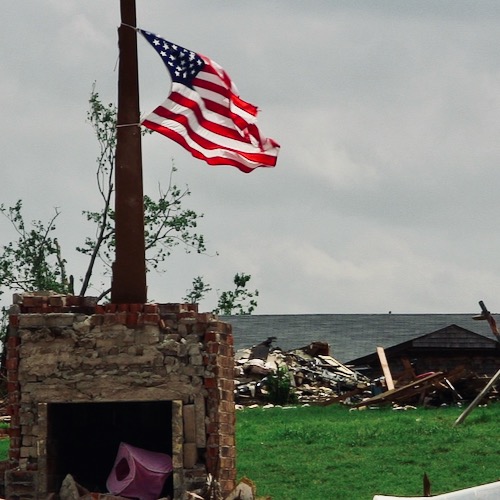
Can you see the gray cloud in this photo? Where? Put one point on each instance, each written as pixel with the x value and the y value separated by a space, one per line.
pixel 385 195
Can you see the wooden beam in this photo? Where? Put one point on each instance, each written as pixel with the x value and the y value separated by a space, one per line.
pixel 385 368
pixel 478 398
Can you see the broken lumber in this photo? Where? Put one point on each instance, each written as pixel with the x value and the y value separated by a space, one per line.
pixel 385 368
pixel 478 399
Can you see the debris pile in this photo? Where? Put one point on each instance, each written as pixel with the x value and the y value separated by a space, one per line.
pixel 245 490
pixel 315 376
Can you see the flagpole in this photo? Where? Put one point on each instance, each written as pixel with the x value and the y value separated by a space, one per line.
pixel 129 269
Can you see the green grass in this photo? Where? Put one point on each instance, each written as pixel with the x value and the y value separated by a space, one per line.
pixel 330 453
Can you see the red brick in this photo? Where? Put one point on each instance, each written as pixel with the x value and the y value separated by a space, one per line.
pixel 12 386
pixel 14 320
pixel 211 337
pixel 15 420
pixel 13 342
pixel 12 363
pixel 151 318
pixel 135 308
pixel 15 444
pixel 56 301
pixel 187 314
pixel 213 348
pixel 211 465
pixel 15 432
pixel 12 375
pixel 210 383
pixel 212 427
pixel 132 319
pixel 151 308
pixel 73 300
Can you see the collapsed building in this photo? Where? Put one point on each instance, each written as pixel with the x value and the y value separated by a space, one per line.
pixel 446 366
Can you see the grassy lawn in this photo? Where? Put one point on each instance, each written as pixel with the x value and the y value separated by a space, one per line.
pixel 317 453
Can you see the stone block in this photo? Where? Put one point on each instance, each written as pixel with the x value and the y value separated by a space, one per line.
pixel 200 415
pixel 59 319
pixel 31 320
pixel 21 484
pixel 188 415
pixel 190 455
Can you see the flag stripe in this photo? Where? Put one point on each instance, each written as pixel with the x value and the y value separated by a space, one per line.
pixel 205 114
pixel 203 141
pixel 186 106
pixel 184 101
pixel 215 158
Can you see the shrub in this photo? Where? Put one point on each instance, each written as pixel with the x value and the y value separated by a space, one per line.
pixel 280 387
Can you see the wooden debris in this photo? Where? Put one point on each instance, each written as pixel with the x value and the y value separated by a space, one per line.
pixel 385 368
pixel 427 485
pixel 417 387
pixel 478 399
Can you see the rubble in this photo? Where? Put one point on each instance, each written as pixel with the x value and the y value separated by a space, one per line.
pixel 318 378
pixel 315 376
pixel 244 490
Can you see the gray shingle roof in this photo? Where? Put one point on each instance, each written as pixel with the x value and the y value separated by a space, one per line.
pixel 350 336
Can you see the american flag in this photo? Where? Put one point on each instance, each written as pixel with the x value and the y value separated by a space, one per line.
pixel 205 114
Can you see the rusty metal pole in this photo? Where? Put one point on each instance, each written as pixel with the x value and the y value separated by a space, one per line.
pixel 129 269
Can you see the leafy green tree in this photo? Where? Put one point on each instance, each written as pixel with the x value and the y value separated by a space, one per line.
pixel 238 301
pixel 167 222
pixel 198 292
pixel 34 261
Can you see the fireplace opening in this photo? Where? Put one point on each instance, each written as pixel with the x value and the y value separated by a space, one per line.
pixel 83 439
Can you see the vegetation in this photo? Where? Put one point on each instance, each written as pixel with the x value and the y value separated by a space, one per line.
pixel 279 386
pixel 240 300
pixel 331 452
pixel 167 223
pixel 237 301
pixel 35 260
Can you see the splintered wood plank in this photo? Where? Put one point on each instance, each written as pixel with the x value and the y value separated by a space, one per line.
pixel 385 368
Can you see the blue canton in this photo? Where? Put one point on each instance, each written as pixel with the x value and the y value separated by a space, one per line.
pixel 182 64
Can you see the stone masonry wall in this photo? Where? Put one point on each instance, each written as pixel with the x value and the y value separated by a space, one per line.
pixel 67 349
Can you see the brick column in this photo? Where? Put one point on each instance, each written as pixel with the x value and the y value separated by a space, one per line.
pixel 221 445
pixel 13 392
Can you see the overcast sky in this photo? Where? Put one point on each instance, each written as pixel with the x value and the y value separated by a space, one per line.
pixel 385 195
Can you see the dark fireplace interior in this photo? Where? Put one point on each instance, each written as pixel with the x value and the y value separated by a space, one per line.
pixel 83 438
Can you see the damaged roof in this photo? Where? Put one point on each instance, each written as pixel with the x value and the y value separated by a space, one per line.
pixel 443 340
pixel 350 336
